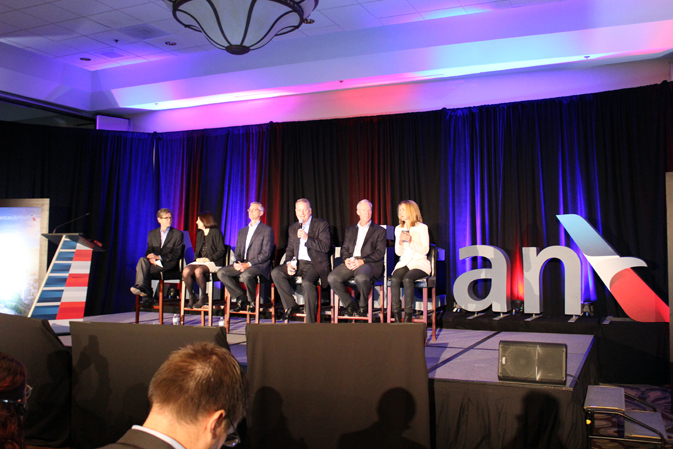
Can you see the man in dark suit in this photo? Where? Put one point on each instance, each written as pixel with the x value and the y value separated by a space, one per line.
pixel 164 246
pixel 362 252
pixel 307 255
pixel 254 245
pixel 198 397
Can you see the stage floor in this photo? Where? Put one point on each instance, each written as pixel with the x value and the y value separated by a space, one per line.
pixel 457 354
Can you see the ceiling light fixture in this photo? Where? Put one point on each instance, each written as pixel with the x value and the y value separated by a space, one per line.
pixel 243 25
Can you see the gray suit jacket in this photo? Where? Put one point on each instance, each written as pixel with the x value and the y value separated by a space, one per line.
pixel 259 252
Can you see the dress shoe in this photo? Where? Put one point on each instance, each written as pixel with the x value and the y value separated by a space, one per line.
pixel 350 310
pixel 408 317
pixel 241 305
pixel 138 292
pixel 147 303
pixel 251 308
pixel 362 312
pixel 397 316
pixel 289 312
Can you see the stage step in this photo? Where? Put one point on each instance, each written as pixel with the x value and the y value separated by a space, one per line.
pixel 652 419
pixel 604 399
pixel 611 401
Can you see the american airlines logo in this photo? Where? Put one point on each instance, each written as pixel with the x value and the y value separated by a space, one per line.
pixel 634 296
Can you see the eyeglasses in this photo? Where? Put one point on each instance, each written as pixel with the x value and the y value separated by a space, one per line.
pixel 232 439
pixel 254 210
pixel 27 393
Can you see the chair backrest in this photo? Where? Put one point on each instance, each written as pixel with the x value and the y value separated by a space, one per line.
pixel 432 257
pixel 187 249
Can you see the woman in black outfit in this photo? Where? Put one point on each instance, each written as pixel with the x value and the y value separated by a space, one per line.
pixel 209 248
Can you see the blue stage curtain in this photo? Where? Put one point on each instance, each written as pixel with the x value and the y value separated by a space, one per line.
pixel 509 169
pixel 220 171
pixel 495 175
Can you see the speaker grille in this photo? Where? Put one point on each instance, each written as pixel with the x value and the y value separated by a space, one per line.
pixel 521 361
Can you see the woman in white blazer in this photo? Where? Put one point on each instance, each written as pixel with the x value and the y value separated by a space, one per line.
pixel 412 243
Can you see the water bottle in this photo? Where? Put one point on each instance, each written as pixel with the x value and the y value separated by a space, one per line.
pixel 176 319
pixel 292 269
pixel 221 323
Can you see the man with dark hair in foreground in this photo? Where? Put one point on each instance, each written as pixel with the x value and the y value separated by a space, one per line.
pixel 197 397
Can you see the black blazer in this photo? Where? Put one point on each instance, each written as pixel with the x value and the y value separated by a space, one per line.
pixel 259 252
pixel 373 248
pixel 170 252
pixel 215 250
pixel 317 244
pixel 137 439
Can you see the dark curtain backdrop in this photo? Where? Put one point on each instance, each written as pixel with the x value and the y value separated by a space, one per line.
pixel 493 175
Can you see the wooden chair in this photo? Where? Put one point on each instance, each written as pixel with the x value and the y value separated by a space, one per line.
pixel 258 302
pixel 298 281
pixel 426 283
pixel 165 277
pixel 380 283
pixel 212 278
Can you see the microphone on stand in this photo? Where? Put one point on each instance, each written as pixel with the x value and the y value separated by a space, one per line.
pixel 68 222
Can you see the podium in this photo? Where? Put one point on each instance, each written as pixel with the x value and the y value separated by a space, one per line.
pixel 62 295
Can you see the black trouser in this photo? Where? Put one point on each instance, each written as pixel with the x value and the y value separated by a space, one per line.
pixel 310 278
pixel 363 280
pixel 231 278
pixel 404 276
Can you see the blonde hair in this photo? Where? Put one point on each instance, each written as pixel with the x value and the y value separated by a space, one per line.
pixel 412 210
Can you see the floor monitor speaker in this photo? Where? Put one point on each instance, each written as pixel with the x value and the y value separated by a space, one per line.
pixel 522 361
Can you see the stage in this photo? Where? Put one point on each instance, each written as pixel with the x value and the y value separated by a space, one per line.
pixel 469 407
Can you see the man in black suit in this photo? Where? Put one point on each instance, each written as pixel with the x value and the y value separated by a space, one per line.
pixel 307 255
pixel 254 245
pixel 198 396
pixel 164 246
pixel 362 252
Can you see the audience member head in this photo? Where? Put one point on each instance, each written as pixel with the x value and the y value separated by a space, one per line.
pixel 201 384
pixel 207 220
pixel 13 395
pixel 409 213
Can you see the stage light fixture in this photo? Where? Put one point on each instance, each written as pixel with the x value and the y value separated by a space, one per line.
pixel 242 25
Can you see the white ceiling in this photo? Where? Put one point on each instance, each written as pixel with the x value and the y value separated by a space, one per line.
pixel 353 43
pixel 98 30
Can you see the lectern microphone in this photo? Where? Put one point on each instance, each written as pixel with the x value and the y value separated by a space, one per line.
pixel 68 222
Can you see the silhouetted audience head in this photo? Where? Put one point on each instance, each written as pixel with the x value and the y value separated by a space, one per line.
pixel 14 392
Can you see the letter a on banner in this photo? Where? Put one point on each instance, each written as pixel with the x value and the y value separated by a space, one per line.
pixel 499 275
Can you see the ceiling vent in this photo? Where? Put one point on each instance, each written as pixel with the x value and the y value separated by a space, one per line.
pixel 143 31
pixel 112 54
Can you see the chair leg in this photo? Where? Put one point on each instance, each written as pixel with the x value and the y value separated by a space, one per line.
pixel 370 304
pixel 210 301
pixel 434 314
pixel 257 302
pixel 137 308
pixel 273 304
pixel 390 308
pixel 227 311
pixel 161 301
pixel 425 305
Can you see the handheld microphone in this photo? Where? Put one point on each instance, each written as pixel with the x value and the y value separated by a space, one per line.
pixel 68 222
